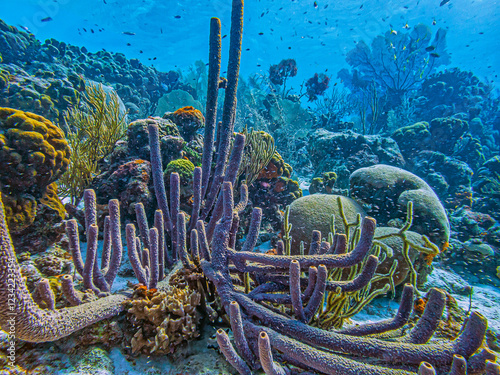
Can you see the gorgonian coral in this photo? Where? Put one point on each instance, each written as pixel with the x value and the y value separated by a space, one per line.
pixel 279 73
pixel 316 86
pixel 396 61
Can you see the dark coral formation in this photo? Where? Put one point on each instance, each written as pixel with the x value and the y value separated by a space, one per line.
pixel 345 152
pixel 450 92
pixel 188 120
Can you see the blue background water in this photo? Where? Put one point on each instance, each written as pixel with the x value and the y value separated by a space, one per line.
pixel 317 37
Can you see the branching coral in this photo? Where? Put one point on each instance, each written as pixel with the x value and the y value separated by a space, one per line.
pixel 279 73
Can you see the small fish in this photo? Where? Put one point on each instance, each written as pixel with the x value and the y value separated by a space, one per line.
pixel 154 58
pixel 263 14
pixel 177 16
pixel 128 33
pixel 259 65
pixel 406 26
pixel 84 29
pixel 261 33
pixel 128 44
pixel 361 7
pixel 140 51
pixel 434 22
pixel 92 31
pixel 394 32
pixel 444 2
pixel 406 7
pixel 326 6
pixel 105 2
pixel 434 54
pixel 224 36
pixel 46 19
pixel 24 28
pixel 316 4
pixel 161 31
pixel 248 49
pixel 430 48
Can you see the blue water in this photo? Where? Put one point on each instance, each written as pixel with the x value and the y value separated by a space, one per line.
pixel 317 37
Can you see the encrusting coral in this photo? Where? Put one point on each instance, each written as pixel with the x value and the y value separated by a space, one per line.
pixel 188 119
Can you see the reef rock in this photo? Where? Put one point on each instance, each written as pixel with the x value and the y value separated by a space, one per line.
pixel 450 178
pixel 345 152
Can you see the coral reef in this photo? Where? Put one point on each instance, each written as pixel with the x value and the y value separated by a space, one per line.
pixel 35 151
pixel 289 308
pixel 345 152
pixel 129 183
pixel 314 212
pixel 450 92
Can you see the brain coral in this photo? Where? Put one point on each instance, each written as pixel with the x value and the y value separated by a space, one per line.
pixel 387 190
pixel 34 152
